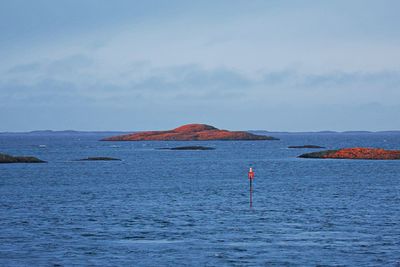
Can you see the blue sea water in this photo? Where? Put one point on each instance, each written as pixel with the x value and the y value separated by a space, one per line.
pixel 191 208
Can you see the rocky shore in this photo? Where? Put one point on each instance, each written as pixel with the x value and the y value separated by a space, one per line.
pixel 355 153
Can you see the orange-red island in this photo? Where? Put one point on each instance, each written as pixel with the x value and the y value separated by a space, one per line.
pixel 190 132
pixel 355 153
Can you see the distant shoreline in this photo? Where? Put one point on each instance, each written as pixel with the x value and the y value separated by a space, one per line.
pixel 327 132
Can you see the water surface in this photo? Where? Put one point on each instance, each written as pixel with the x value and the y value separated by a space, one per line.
pixel 169 208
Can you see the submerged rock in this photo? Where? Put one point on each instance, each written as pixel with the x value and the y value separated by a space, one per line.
pixel 190 132
pixel 4 158
pixel 306 146
pixel 187 148
pixel 355 153
pixel 98 159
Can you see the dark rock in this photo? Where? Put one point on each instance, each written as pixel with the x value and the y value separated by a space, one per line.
pixel 306 146
pixel 98 159
pixel 188 148
pixel 4 158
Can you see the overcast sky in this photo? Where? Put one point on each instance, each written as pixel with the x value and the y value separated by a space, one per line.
pixel 143 65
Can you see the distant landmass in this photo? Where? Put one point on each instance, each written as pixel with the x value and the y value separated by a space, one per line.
pixel 263 132
pixel 65 132
pixel 190 132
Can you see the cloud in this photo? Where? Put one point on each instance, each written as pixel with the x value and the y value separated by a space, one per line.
pixel 81 79
pixel 24 68
pixel 167 97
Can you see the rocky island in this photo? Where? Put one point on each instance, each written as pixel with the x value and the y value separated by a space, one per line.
pixel 190 132
pixel 4 158
pixel 355 153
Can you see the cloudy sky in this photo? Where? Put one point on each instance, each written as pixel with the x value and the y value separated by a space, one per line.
pixel 140 65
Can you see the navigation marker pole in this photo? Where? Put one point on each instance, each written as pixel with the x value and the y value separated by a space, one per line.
pixel 251 177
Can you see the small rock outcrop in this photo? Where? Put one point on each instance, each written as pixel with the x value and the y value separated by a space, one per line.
pixel 187 148
pixel 98 159
pixel 4 158
pixel 306 146
pixel 355 153
pixel 190 132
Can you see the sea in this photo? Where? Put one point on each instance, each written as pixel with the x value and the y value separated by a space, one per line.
pixel 191 208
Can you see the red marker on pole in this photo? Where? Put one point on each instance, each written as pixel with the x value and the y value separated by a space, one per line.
pixel 251 177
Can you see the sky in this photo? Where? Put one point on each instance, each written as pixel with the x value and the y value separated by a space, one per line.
pixel 239 65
